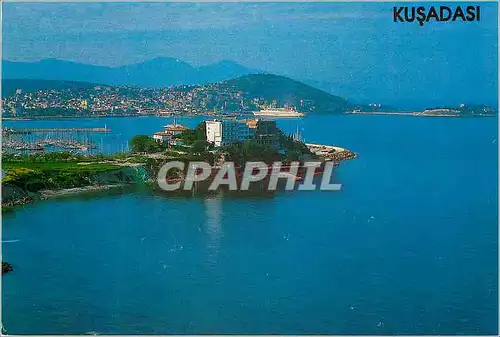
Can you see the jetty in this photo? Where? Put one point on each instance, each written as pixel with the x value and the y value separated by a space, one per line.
pixel 54 130
pixel 331 153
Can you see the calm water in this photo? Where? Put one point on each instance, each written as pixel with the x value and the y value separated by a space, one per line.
pixel 409 245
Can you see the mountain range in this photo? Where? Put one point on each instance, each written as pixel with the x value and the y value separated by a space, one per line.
pixel 9 86
pixel 167 71
pixel 158 72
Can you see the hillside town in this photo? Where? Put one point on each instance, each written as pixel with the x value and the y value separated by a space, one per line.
pixel 239 96
pixel 109 101
pixel 101 100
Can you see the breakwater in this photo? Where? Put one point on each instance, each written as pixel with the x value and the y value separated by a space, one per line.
pixel 45 130
pixel 331 153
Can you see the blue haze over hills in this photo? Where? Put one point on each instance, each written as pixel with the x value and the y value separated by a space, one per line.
pixel 354 50
pixel 159 72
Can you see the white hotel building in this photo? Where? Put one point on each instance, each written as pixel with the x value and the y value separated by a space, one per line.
pixel 226 132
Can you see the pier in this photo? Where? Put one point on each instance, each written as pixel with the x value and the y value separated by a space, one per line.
pixel 331 153
pixel 55 130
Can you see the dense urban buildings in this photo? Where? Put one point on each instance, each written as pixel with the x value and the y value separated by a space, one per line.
pixel 240 95
pixel 105 100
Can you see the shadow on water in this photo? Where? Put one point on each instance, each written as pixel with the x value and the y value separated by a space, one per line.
pixel 257 190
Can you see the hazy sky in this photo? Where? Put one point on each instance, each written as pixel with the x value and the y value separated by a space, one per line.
pixel 356 47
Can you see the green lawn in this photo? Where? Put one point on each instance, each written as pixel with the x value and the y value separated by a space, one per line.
pixel 61 166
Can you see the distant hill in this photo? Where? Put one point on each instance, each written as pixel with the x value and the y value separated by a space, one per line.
pixel 158 72
pixel 286 92
pixel 9 86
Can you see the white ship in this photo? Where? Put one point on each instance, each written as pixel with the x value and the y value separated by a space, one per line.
pixel 278 112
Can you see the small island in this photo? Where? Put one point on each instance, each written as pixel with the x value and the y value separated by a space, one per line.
pixel 463 110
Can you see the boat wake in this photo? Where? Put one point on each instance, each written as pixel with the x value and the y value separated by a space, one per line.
pixel 10 241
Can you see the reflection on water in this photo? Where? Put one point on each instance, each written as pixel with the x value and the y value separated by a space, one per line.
pixel 213 227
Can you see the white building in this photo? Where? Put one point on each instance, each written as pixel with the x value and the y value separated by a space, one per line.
pixel 226 132
pixel 162 136
pixel 214 132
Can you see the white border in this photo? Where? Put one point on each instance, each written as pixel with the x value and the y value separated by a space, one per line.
pixel 277 1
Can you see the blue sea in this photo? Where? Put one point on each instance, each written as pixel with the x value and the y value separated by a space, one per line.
pixel 407 246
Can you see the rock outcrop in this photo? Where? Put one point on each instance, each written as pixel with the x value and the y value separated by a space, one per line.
pixel 6 267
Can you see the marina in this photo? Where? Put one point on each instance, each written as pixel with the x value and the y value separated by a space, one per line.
pixel 22 140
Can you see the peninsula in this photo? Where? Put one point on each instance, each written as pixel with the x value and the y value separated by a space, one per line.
pixel 42 175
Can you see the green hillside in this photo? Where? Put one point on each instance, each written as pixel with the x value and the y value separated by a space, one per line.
pixel 285 91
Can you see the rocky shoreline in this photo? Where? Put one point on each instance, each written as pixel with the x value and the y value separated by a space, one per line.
pixel 59 193
pixel 6 267
pixel 14 195
pixel 50 194
pixel 19 202
pixel 329 152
